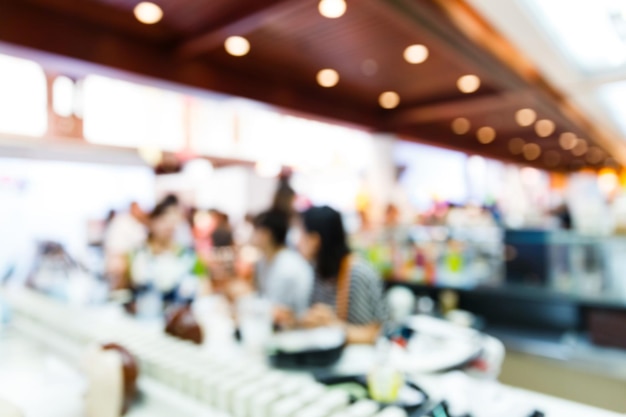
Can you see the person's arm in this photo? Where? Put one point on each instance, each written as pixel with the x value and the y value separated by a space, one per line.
pixel 323 315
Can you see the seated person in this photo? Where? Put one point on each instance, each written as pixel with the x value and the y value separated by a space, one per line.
pixel 162 265
pixel 282 275
pixel 347 291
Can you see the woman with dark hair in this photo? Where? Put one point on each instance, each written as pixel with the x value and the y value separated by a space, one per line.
pixel 347 290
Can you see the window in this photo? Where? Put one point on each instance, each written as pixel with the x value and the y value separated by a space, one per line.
pixel 23 97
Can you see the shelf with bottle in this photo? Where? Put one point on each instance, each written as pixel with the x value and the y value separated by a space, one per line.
pixel 435 255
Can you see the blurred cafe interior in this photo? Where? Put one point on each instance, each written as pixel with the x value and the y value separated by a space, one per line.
pixel 312 208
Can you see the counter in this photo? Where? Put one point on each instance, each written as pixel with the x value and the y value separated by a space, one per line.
pixel 45 332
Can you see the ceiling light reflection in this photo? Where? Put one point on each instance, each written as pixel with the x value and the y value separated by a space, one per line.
pixel 416 54
pixel 237 46
pixel 328 78
pixel 332 9
pixel 461 125
pixel 486 134
pixel 544 128
pixel 468 83
pixel 389 100
pixel 148 13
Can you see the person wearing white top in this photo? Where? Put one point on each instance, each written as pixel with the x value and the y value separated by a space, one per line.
pixel 283 276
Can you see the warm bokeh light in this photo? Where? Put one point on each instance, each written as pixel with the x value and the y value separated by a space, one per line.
pixel 525 117
pixel 468 83
pixel 237 46
pixel 568 141
pixel 369 67
pixel 461 125
pixel 328 78
pixel 516 145
pixel 416 54
pixel 332 9
pixel 544 128
pixel 151 155
pixel 595 155
pixel 608 181
pixel 531 151
pixel 552 158
pixel 148 13
pixel 581 148
pixel 486 134
pixel 389 100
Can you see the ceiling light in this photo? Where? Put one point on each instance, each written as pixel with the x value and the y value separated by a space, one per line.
pixel 486 135
pixel 552 158
pixel 531 151
pixel 389 100
pixel 327 78
pixel 369 67
pixel 581 148
pixel 416 54
pixel 595 155
pixel 332 9
pixel 544 128
pixel 525 117
pixel 148 13
pixel 568 141
pixel 237 46
pixel 516 145
pixel 468 83
pixel 461 125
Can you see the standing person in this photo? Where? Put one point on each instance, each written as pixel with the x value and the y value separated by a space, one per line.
pixel 347 291
pixel 282 275
pixel 222 235
pixel 126 232
pixel 161 264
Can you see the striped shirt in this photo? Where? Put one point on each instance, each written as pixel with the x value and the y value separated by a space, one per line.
pixel 366 300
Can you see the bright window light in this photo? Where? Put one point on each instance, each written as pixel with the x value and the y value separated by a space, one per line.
pixel 120 113
pixel 23 97
pixel 614 98
pixel 591 33
pixel 63 96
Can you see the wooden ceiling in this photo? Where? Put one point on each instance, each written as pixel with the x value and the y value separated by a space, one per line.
pixel 290 42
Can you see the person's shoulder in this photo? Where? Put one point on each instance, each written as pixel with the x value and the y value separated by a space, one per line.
pixel 363 270
pixel 291 259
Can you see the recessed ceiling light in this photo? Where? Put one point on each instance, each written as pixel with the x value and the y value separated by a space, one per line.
pixel 369 67
pixel 468 83
pixel 389 100
pixel 595 155
pixel 544 128
pixel 531 151
pixel 148 13
pixel 568 141
pixel 525 117
pixel 461 125
pixel 516 145
pixel 416 54
pixel 237 46
pixel 552 158
pixel 486 134
pixel 328 78
pixel 581 148
pixel 332 9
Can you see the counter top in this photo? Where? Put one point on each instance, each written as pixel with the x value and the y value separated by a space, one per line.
pixel 180 396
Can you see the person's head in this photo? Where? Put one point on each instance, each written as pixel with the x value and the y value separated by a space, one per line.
pixel 323 240
pixel 163 220
pixel 270 230
pixel 136 211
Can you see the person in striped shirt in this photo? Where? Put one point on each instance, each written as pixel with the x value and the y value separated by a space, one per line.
pixel 347 291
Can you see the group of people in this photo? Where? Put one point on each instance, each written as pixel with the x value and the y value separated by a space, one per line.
pixel 305 269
